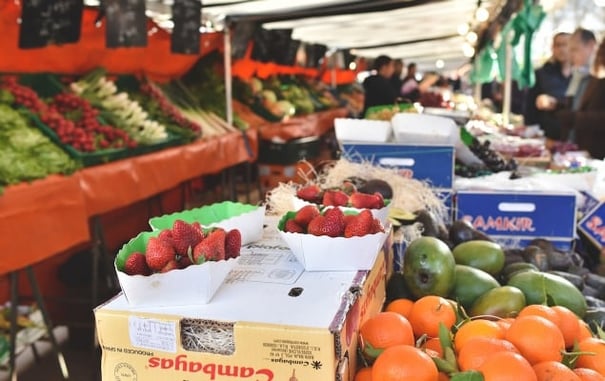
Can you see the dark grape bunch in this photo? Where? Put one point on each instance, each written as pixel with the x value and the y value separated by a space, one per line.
pixel 471 171
pixel 492 159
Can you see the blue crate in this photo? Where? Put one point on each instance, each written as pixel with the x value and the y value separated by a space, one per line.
pixel 593 225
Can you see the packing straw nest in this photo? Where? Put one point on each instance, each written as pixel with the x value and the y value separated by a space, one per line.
pixel 207 336
pixel 409 195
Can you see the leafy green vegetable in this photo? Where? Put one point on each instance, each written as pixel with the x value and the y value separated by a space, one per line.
pixel 25 153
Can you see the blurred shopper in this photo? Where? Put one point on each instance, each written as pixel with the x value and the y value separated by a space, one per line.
pixel 378 89
pixel 582 48
pixel 396 78
pixel 587 121
pixel 552 81
pixel 409 88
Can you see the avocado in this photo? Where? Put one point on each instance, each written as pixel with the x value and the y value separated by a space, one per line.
pixel 514 268
pixel 596 281
pixel 429 267
pixel 591 301
pixel 504 301
pixel 483 255
pixel 513 256
pixel 537 256
pixel 377 185
pixel 461 231
pixel 595 317
pixel 396 288
pixel 545 288
pixel 470 284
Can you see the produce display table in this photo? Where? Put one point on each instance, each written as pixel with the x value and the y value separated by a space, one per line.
pixel 51 215
pixel 315 124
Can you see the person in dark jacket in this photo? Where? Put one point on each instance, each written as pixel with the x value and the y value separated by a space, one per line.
pixel 552 81
pixel 587 122
pixel 396 80
pixel 378 89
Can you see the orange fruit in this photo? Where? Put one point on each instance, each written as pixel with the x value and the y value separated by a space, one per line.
pixel 586 374
pixel 479 349
pixel 383 330
pixel 401 306
pixel 443 377
pixel 428 311
pixel 434 344
pixel 585 332
pixel 506 366
pixel 404 362
pixel 505 323
pixel 596 361
pixel 537 338
pixel 364 374
pixel 477 328
pixel 554 371
pixel 540 310
pixel 569 324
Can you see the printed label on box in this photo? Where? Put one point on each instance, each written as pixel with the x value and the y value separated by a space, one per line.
pixel 152 334
pixel 434 164
pixel 594 227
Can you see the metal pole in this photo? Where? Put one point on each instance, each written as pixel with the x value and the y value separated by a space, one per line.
pixel 228 82
pixel 508 72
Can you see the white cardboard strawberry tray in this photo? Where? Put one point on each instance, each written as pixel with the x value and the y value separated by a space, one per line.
pixel 382 214
pixel 323 253
pixel 195 284
pixel 248 219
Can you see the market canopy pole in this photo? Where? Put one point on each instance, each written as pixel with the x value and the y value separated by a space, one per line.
pixel 508 73
pixel 228 81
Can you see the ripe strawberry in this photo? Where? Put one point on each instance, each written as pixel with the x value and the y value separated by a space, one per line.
pixel 361 225
pixel 185 236
pixel 309 193
pixel 335 217
pixel 166 237
pixel 136 265
pixel 158 254
pixel 322 225
pixel 198 226
pixel 233 243
pixel 366 201
pixel 171 265
pixel 305 215
pixel 292 227
pixel 212 248
pixel 377 226
pixel 348 218
pixel 348 187
pixel 335 198
pixel 379 200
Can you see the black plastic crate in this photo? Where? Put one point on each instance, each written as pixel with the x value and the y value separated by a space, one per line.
pixel 289 152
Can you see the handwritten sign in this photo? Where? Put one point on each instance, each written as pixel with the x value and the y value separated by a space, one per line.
pixel 45 22
pixel 126 23
pixel 186 15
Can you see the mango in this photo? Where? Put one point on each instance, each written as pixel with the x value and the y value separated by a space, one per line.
pixel 470 284
pixel 504 301
pixel 482 255
pixel 544 288
pixel 429 267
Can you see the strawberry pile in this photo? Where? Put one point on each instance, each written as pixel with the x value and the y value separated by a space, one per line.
pixel 184 245
pixel 347 196
pixel 76 123
pixel 332 223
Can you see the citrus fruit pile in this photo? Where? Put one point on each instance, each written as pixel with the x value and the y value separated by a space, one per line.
pixel 432 339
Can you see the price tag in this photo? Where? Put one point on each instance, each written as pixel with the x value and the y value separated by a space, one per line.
pixel 126 23
pixel 187 16
pixel 45 22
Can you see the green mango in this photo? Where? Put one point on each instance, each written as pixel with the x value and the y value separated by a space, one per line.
pixel 504 301
pixel 544 288
pixel 429 267
pixel 470 284
pixel 482 255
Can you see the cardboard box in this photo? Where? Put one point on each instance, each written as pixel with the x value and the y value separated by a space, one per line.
pixel 593 227
pixel 269 321
pixel 433 164
pixel 515 218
